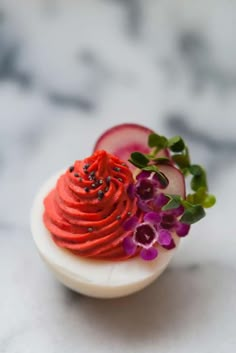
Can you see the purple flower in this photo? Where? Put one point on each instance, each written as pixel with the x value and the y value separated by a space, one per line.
pixel 160 200
pixel 129 246
pixel 182 229
pixel 152 218
pixel 164 237
pixel 144 206
pixel 131 191
pixel 145 189
pixel 130 223
pixel 144 174
pixel 178 211
pixel 146 235
pixel 170 246
pixel 149 254
pixel 168 220
pixel 151 226
pixel 148 184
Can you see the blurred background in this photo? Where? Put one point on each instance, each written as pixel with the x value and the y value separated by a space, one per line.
pixel 71 69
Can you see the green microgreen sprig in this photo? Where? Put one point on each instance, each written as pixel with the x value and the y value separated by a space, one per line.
pixel 195 202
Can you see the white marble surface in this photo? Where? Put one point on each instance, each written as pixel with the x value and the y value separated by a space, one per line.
pixel 70 69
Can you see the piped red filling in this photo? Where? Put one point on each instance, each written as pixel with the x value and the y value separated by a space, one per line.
pixel 85 211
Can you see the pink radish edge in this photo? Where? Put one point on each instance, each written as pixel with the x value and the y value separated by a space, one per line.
pixel 121 140
pixel 118 128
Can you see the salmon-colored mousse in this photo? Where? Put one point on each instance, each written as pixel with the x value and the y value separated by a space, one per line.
pixel 86 210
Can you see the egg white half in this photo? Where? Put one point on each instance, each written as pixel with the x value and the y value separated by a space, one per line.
pixel 95 278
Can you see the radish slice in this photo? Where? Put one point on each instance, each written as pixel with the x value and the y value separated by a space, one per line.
pixel 122 140
pixel 176 180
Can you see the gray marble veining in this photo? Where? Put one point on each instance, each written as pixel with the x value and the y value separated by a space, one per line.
pixel 69 70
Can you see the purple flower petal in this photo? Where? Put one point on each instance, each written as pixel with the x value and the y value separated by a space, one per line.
pixel 143 206
pixel 160 200
pixel 178 211
pixel 143 175
pixel 168 220
pixel 130 223
pixel 149 254
pixel 152 217
pixel 164 237
pixel 145 235
pixel 182 229
pixel 129 246
pixel 170 246
pixel 131 191
pixel 145 189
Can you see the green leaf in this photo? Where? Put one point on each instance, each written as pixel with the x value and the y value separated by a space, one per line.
pixel 194 203
pixel 161 160
pixel 199 179
pixel 199 182
pixel 209 201
pixel 191 199
pixel 196 170
pixel 185 171
pixel 158 141
pixel 193 214
pixel 135 164
pixel 198 197
pixel 153 140
pixel 175 202
pixel 139 159
pixel 162 179
pixel 161 176
pixel 201 197
pixel 181 160
pixel 176 144
pixel 151 168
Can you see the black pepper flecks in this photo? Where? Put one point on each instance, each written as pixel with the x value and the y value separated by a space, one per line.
pixel 100 194
pixel 97 183
pixel 121 180
pixel 116 169
pixel 90 229
pixel 108 180
pixel 86 166
pixel 71 169
pixel 118 217
pixel 76 175
pixel 92 175
pixel 80 179
pixel 93 186
pixel 86 189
